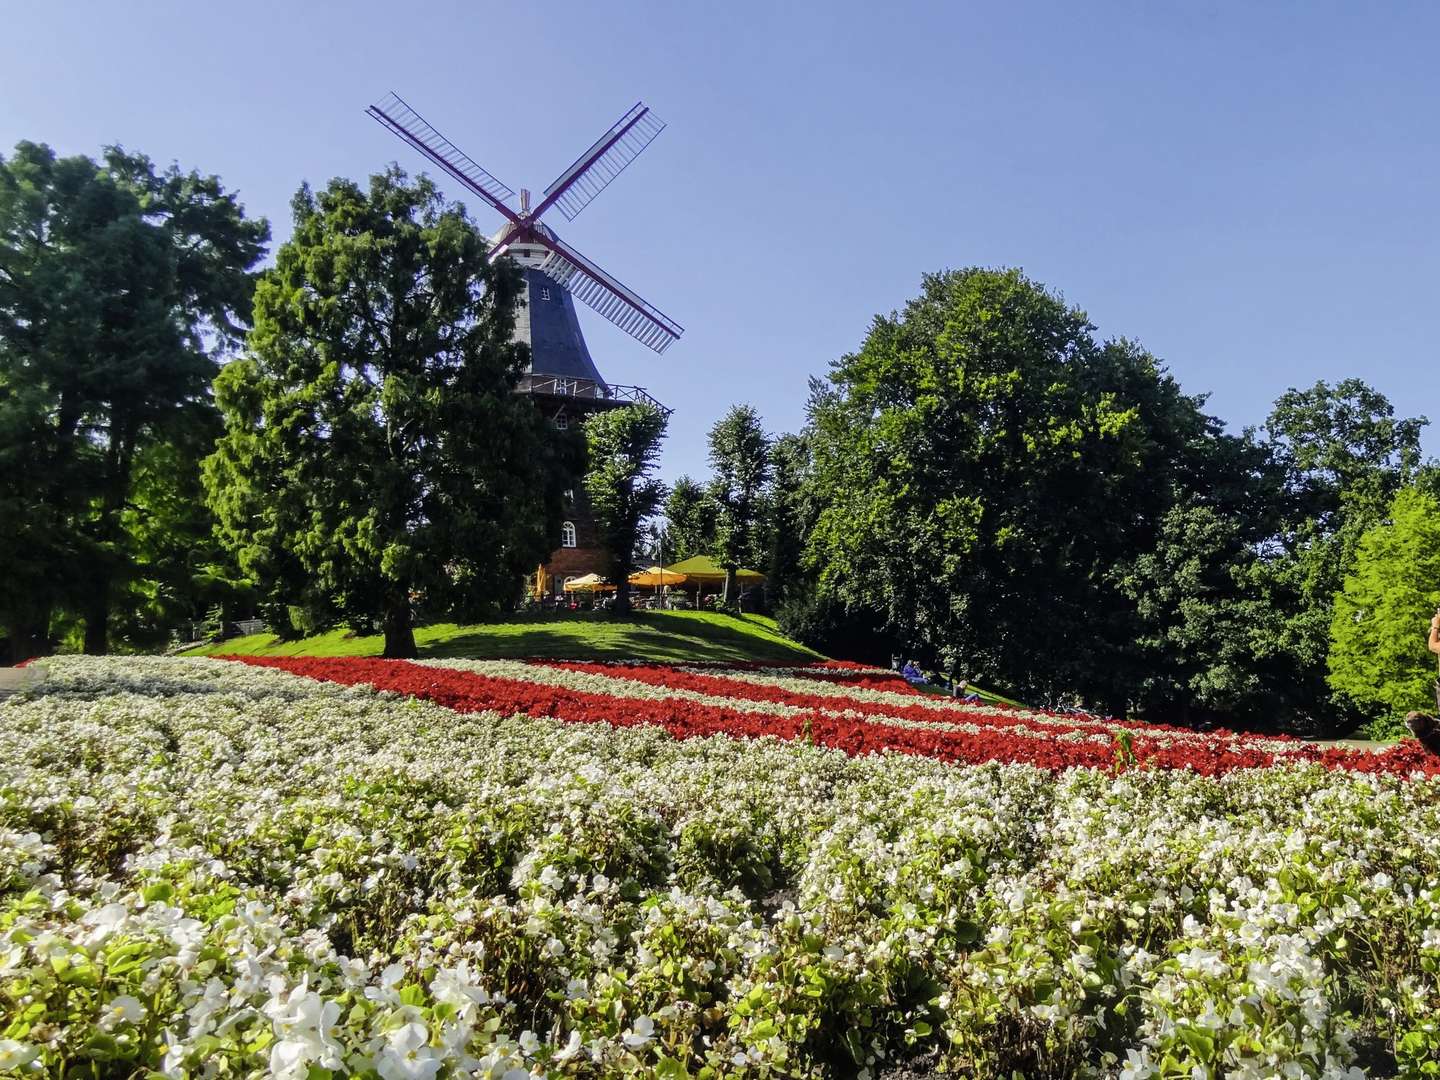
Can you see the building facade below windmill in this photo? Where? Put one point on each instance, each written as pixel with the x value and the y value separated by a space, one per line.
pixel 566 387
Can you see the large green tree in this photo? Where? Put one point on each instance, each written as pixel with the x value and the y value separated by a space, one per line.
pixel 985 468
pixel 120 287
pixel 690 520
pixel 1342 454
pixel 623 450
pixel 376 457
pixel 786 515
pixel 740 468
pixel 1377 657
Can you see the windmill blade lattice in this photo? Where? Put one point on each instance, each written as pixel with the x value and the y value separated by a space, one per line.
pixel 400 118
pixel 591 173
pixel 593 170
pixel 609 298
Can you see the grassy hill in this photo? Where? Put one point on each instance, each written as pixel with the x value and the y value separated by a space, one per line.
pixel 654 635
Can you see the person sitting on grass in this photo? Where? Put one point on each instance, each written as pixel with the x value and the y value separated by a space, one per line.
pixel 912 673
pixel 1425 728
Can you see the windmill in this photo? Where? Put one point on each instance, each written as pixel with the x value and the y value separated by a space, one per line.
pixel 562 379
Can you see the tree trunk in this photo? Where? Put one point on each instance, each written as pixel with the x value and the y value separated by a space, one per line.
pixel 622 595
pixel 97 618
pixel 730 586
pixel 399 634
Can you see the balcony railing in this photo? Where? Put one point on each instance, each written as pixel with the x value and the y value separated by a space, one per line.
pixel 587 390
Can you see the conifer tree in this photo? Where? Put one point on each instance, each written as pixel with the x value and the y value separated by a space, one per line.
pixel 376 459
pixel 1377 653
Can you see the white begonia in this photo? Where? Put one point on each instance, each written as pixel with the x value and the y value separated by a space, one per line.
pixel 864 843
pixel 407 1055
pixel 571 1047
pixel 15 1054
pixel 639 1033
pixel 125 1009
pixel 305 1028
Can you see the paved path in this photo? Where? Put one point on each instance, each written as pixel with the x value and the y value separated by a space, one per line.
pixel 13 680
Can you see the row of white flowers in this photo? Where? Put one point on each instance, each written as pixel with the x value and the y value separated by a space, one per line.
pixel 215 870
pixel 620 687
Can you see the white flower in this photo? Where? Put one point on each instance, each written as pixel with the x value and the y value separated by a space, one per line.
pixel 15 1054
pixel 1137 1065
pixel 386 993
pixel 571 1048
pixel 124 1009
pixel 408 1055
pixel 529 1042
pixel 640 1032
pixel 305 1024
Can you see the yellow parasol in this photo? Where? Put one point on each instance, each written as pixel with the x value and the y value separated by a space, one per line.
pixel 589 583
pixel 657 577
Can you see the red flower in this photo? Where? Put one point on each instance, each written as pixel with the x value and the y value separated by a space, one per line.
pixel 1148 746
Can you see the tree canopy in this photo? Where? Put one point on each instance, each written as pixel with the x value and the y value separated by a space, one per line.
pixel 376 459
pixel 740 467
pixel 120 287
pixel 623 451
pixel 1377 655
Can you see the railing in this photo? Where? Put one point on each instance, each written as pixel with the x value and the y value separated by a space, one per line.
pixel 587 389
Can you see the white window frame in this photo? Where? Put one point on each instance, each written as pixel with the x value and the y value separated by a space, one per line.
pixel 567 534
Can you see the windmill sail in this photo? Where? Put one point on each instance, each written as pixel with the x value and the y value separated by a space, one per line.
pixel 400 118
pixel 608 297
pixel 593 170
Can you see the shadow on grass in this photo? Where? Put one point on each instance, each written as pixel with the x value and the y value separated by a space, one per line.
pixel 656 636
pixel 608 637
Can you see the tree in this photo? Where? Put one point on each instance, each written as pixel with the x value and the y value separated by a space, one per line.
pixel 984 469
pixel 120 287
pixel 624 448
pixel 1377 657
pixel 690 515
pixel 786 514
pixel 376 458
pixel 1204 622
pixel 1342 455
pixel 740 460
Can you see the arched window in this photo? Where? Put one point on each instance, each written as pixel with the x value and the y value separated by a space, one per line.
pixel 561 420
pixel 567 534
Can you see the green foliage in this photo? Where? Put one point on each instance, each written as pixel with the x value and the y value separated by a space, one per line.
pixel 690 517
pixel 1339 455
pixel 984 468
pixel 624 448
pixel 787 515
pixel 740 462
pixel 1377 654
pixel 120 286
pixel 1204 620
pixel 375 455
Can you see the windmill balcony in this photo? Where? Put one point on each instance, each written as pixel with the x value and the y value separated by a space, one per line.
pixel 589 390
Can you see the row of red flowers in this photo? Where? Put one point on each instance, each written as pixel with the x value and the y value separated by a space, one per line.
pixel 470 692
pixel 923 710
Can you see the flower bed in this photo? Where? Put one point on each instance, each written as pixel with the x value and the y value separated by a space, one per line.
pixel 511 870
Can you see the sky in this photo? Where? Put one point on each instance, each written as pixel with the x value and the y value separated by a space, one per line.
pixel 1248 190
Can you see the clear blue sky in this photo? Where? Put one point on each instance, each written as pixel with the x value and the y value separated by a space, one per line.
pixel 1250 190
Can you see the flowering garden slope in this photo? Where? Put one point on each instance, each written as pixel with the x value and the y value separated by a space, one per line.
pixel 569 869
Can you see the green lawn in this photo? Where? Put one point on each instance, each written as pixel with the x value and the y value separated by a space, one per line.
pixel 651 635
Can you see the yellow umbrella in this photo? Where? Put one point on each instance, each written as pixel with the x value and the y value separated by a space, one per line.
pixel 656 576
pixel 589 583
